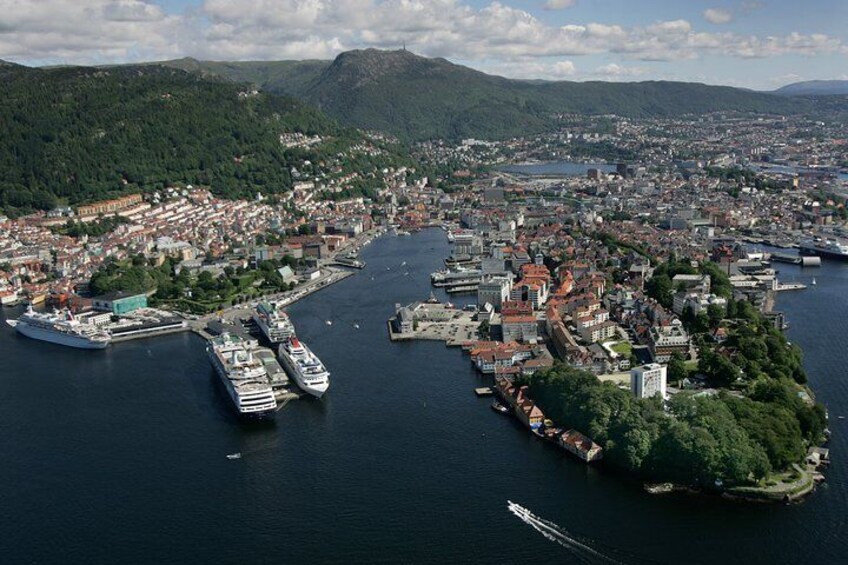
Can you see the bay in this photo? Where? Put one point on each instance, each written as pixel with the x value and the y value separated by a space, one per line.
pixel 119 456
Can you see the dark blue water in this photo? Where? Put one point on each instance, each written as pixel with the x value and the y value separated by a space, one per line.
pixel 557 168
pixel 119 456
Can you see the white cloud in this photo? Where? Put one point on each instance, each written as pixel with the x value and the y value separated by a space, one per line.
pixel 718 15
pixel 614 70
pixel 132 11
pixel 559 4
pixel 531 69
pixel 564 68
pixel 498 35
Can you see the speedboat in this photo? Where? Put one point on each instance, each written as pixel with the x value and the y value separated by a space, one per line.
pixel 498 407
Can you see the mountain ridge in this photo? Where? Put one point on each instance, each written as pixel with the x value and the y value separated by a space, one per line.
pixel 417 98
pixel 814 88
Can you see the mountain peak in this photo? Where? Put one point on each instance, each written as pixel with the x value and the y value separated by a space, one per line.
pixel 363 66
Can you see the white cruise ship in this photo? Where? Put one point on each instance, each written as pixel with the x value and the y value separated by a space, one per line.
pixel 304 367
pixel 273 322
pixel 244 375
pixel 61 328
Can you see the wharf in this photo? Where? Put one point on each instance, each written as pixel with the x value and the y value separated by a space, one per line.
pixel 436 322
pixel 484 391
pixel 150 332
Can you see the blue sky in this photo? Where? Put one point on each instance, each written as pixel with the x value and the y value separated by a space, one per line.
pixel 758 44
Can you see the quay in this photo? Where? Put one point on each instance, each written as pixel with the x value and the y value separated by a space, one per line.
pixel 150 331
pixel 435 322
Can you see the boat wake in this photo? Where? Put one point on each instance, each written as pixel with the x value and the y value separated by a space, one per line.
pixel 556 534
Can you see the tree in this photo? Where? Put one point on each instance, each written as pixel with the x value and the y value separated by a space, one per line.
pixel 715 314
pixel 677 369
pixel 659 288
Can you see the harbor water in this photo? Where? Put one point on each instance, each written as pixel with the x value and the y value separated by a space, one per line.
pixel 119 456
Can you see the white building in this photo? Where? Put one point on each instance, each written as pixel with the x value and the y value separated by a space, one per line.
pixel 494 291
pixel 648 381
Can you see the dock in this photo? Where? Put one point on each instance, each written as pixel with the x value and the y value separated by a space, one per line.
pixel 484 391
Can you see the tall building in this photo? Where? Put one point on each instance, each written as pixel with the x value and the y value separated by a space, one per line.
pixel 648 381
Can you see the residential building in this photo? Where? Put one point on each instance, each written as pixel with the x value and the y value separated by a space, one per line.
pixel 648 381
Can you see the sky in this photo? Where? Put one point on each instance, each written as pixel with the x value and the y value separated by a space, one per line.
pixel 760 44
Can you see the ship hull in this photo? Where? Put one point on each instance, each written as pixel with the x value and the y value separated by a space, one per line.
pixel 810 250
pixel 235 404
pixel 59 338
pixel 273 337
pixel 316 390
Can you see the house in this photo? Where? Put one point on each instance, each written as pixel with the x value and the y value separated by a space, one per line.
pixel 580 445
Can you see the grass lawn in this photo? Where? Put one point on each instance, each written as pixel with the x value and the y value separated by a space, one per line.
pixel 623 348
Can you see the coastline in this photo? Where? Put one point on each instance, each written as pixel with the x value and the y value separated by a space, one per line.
pixel 791 485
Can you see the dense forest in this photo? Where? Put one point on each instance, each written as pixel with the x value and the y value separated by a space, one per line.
pixel 74 134
pixel 701 440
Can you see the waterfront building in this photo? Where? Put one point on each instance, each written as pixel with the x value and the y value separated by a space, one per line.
pixel 494 290
pixel 580 445
pixel 404 321
pixel 119 303
pixel 648 381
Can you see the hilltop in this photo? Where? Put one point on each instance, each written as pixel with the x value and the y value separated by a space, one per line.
pixel 815 88
pixel 418 98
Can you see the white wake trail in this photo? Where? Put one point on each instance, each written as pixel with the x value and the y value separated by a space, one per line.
pixel 555 533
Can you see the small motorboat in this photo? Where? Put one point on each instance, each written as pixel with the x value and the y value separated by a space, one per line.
pixel 356 326
pixel 498 407
pixel 234 456
pixel 814 281
pixel 329 322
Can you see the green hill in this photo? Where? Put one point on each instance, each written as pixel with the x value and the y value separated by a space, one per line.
pixel 418 98
pixel 77 134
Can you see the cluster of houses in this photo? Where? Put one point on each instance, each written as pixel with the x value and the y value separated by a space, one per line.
pixel 516 397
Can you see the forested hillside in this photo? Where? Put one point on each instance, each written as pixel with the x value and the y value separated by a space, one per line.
pixel 78 134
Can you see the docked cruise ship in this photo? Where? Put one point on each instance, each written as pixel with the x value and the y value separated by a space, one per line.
pixel 304 367
pixel 61 328
pixel 824 247
pixel 273 322
pixel 243 375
